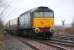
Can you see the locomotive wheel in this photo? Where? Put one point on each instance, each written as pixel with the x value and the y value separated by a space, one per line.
pixel 49 35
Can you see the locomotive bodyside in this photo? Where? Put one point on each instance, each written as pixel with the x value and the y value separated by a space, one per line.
pixel 25 21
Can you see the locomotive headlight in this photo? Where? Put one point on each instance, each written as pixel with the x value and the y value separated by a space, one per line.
pixel 37 30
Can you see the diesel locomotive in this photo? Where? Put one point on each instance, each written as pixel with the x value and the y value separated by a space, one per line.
pixel 37 22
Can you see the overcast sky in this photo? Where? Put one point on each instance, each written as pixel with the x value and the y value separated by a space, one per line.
pixel 63 9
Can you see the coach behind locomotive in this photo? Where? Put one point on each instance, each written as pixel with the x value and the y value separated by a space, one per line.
pixel 37 21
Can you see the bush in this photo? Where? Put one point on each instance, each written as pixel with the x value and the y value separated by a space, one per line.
pixel 56 30
pixel 1 31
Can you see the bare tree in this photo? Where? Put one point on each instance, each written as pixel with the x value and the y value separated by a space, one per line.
pixel 1 2
pixel 1 31
pixel 1 25
pixel 73 24
pixel 4 5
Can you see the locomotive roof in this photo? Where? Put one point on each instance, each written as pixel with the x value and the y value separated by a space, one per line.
pixel 39 9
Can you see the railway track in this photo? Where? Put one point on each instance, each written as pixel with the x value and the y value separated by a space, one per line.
pixel 62 44
pixel 40 45
pixel 59 45
pixel 24 42
pixel 52 44
pixel 68 43
pixel 55 44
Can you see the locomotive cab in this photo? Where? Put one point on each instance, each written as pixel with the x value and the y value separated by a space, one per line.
pixel 43 21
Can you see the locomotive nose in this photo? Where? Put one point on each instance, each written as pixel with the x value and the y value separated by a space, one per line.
pixel 44 29
pixel 37 30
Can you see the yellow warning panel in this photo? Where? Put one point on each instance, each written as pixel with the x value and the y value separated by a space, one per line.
pixel 43 22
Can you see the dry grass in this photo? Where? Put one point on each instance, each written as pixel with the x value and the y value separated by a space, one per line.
pixel 2 41
pixel 1 37
pixel 70 31
pixel 67 31
pixel 2 46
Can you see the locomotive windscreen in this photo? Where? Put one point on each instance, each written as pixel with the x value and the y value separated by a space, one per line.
pixel 43 14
